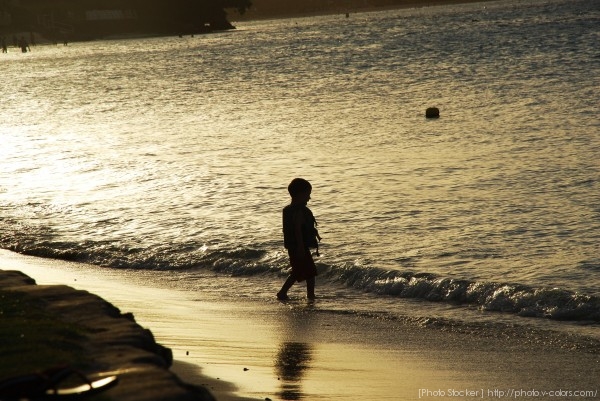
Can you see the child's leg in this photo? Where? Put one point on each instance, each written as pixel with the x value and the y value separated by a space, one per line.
pixel 282 294
pixel 310 288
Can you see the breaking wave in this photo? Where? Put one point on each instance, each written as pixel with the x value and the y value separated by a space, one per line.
pixel 523 300
pixel 515 298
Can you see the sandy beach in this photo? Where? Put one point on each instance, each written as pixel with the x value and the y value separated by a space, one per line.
pixel 242 350
pixel 459 258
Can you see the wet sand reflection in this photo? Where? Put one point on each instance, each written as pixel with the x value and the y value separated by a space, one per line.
pixel 293 359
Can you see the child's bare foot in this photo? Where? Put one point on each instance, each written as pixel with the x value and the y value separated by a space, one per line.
pixel 282 297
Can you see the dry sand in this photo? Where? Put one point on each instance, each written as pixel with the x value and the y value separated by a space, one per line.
pixel 241 349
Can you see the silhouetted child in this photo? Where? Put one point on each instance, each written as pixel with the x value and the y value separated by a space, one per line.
pixel 299 234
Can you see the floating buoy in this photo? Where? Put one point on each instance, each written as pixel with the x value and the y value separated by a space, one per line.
pixel 432 112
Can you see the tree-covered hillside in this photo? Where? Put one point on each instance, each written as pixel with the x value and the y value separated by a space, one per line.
pixel 89 19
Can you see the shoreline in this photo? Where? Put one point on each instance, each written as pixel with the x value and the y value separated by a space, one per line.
pixel 249 16
pixel 408 4
pixel 240 350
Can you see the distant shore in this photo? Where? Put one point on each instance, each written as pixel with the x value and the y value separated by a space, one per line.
pixel 262 14
pixel 36 38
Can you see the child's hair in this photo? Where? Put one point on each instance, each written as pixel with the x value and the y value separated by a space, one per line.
pixel 298 186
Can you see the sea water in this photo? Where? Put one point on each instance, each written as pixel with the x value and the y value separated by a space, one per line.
pixel 173 155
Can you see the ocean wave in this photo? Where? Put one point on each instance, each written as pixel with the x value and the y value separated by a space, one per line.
pixel 523 300
pixel 515 298
pixel 590 264
pixel 241 261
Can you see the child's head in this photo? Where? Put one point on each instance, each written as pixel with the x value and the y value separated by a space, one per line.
pixel 299 186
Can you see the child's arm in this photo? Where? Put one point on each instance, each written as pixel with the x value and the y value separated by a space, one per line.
pixel 298 221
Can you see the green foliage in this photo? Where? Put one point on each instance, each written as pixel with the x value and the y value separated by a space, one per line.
pixel 32 339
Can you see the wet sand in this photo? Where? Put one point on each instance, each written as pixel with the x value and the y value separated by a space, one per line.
pixel 240 349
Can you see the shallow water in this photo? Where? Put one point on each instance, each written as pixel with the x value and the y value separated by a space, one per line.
pixel 175 154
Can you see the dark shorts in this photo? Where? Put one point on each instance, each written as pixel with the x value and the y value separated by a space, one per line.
pixel 302 268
